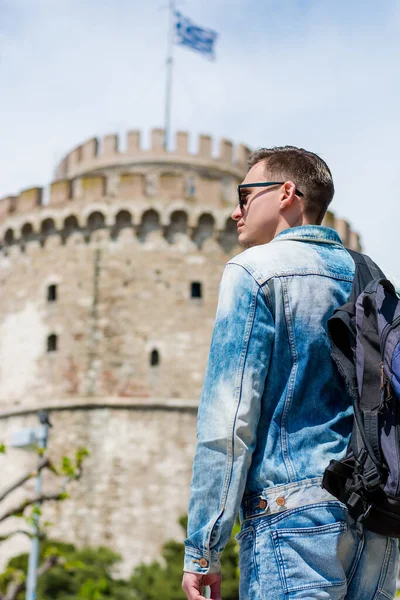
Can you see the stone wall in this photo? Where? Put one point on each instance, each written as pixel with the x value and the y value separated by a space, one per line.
pixel 119 297
pixel 135 484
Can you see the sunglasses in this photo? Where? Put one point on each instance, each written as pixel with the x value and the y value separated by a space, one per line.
pixel 258 184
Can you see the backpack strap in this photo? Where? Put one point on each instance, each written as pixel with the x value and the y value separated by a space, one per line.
pixel 341 327
pixel 355 340
pixel 369 356
pixel 366 398
pixel 365 271
pixel 368 359
pixel 368 350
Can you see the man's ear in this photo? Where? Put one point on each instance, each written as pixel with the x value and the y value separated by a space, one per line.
pixel 288 194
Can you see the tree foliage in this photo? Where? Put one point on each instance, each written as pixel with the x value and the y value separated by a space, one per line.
pixel 89 574
pixel 29 510
pixel 162 579
pixel 85 574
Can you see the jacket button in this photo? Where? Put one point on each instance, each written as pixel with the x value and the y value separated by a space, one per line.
pixel 263 504
pixel 203 562
pixel 280 501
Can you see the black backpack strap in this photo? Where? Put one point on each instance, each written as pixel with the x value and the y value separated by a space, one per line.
pixel 341 325
pixel 376 271
pixel 365 271
pixel 368 349
pixel 366 398
pixel 368 359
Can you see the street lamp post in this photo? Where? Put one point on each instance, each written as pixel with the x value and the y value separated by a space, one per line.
pixel 34 439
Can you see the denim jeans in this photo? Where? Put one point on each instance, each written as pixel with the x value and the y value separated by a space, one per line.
pixel 314 552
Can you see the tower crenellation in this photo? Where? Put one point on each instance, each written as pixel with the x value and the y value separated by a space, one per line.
pixel 99 153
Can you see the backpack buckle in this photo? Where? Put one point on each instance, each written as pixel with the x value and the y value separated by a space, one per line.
pixel 371 480
pixel 356 502
pixel 361 519
pixel 362 457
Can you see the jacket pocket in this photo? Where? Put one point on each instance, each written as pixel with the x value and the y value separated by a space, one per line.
pixel 309 559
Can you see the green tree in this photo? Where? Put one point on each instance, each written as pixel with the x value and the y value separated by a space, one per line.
pixel 162 579
pixel 29 510
pixel 88 574
pixel 85 574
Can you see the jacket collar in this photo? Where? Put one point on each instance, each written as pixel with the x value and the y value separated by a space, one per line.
pixel 310 233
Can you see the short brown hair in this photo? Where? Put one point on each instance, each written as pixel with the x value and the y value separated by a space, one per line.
pixel 307 170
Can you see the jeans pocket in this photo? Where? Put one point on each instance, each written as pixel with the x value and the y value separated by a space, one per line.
pixel 308 558
pixel 387 580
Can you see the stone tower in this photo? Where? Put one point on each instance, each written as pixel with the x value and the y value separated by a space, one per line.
pixel 109 293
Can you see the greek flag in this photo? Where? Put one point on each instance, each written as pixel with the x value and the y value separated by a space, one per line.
pixel 194 37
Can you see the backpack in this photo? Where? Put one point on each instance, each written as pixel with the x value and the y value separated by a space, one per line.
pixel 365 341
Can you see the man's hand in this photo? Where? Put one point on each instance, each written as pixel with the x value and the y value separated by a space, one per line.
pixel 194 583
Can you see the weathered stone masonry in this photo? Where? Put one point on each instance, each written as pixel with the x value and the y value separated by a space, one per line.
pixel 108 298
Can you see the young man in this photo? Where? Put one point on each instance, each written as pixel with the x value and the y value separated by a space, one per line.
pixel 273 411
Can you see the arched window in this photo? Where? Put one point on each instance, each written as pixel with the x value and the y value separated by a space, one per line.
pixel 52 342
pixel 178 225
pixel 204 229
pixel 9 237
pixel 150 222
pixel 95 221
pixel 71 224
pixel 154 358
pixel 123 219
pixel 47 227
pixel 27 231
pixel 229 237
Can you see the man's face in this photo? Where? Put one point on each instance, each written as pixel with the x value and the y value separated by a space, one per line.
pixel 257 222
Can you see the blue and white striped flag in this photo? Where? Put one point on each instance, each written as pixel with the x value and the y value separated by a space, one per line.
pixel 194 37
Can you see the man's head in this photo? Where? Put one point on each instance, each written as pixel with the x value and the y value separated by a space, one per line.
pixel 301 197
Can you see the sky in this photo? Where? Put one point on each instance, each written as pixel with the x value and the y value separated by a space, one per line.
pixel 321 74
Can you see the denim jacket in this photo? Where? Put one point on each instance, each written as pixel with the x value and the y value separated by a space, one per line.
pixel 273 411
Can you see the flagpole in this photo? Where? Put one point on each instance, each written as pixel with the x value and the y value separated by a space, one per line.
pixel 170 63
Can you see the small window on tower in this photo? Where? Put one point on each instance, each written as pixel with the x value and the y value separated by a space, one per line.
pixel 52 343
pixel 52 293
pixel 196 289
pixel 154 358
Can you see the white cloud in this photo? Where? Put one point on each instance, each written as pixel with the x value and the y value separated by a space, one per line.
pixel 322 75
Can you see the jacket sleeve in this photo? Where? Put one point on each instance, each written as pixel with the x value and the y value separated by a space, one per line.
pixel 228 416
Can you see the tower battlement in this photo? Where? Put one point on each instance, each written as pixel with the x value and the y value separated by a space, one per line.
pixel 98 171
pixel 98 153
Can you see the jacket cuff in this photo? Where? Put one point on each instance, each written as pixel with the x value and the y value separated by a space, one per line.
pixel 201 563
